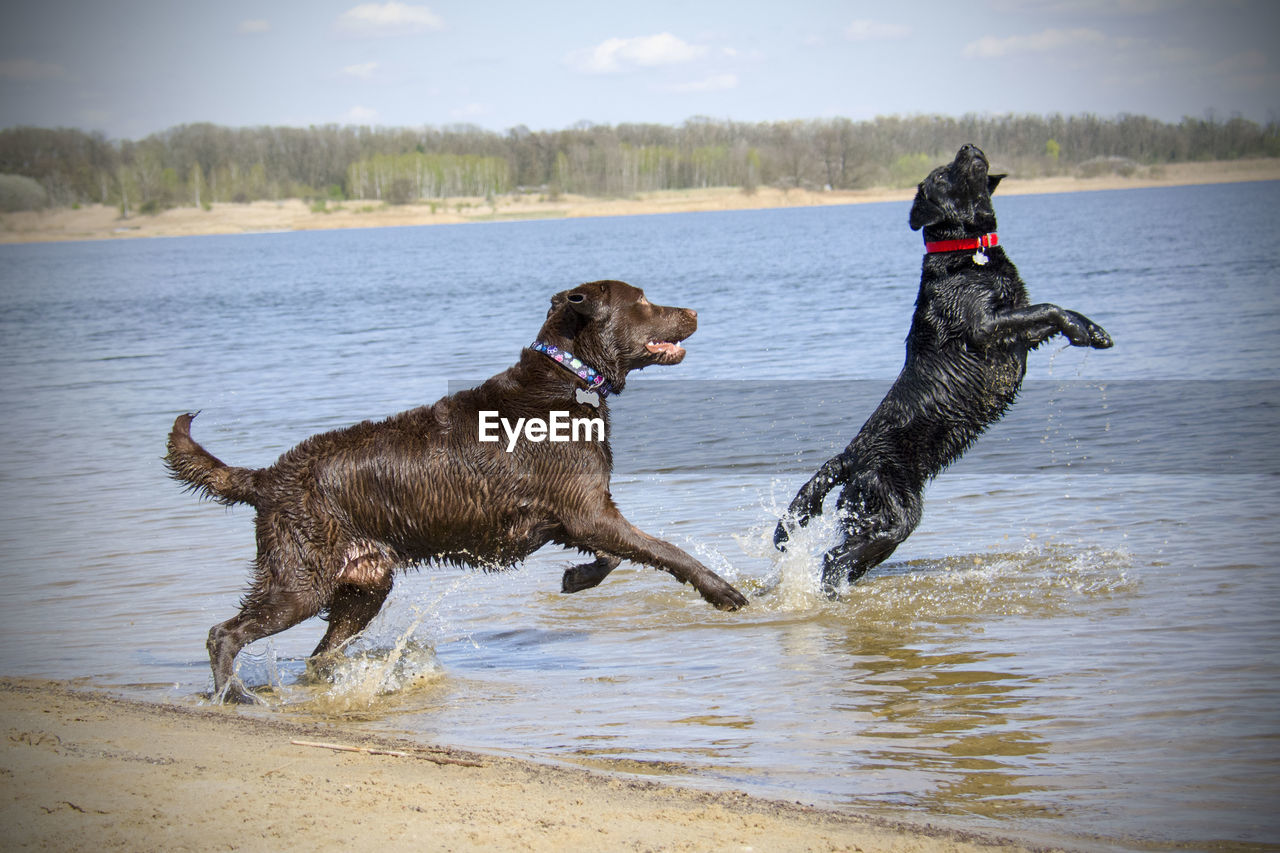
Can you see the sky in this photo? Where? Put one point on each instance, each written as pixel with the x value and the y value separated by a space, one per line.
pixel 129 68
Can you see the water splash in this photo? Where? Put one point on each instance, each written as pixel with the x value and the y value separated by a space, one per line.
pixel 365 680
pixel 259 665
pixel 363 674
pixel 1037 581
pixel 1037 578
pixel 387 659
pixel 795 582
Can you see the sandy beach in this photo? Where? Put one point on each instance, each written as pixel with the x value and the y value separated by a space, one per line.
pixel 97 222
pixel 83 770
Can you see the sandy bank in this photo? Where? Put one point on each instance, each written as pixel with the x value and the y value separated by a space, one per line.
pixel 83 770
pixel 96 222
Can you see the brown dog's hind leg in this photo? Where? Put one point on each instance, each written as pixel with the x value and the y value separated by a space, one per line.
pixel 265 612
pixel 352 609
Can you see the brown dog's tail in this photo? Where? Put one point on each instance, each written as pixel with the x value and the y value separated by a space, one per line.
pixel 203 472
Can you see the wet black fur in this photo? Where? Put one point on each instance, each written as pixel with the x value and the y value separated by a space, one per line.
pixel 339 513
pixel 966 357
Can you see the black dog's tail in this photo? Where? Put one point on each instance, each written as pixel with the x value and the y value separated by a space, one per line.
pixel 203 472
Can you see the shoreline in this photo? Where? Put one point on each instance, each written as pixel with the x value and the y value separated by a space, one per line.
pixel 98 222
pixel 83 769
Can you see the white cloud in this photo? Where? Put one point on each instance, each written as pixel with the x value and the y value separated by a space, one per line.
pixel 254 25
pixel 864 30
pixel 714 83
pixel 622 54
pixel 389 19
pixel 363 71
pixel 990 47
pixel 30 69
pixel 360 115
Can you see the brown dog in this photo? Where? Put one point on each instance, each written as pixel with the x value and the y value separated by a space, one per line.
pixel 452 482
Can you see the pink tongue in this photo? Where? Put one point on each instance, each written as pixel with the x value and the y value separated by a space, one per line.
pixel 665 347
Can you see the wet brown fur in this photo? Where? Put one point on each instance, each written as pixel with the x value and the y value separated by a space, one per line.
pixel 341 511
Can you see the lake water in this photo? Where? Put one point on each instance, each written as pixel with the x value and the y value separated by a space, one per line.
pixel 1080 644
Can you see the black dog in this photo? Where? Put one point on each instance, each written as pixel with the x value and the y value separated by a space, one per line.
pixel 341 511
pixel 966 356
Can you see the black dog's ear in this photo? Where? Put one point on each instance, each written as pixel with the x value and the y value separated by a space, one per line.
pixel 993 181
pixel 923 211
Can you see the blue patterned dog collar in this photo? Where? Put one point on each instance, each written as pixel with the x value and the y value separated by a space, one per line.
pixel 595 379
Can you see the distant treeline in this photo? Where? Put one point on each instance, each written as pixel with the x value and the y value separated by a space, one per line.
pixel 198 164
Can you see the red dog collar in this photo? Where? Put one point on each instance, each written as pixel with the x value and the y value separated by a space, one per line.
pixel 986 241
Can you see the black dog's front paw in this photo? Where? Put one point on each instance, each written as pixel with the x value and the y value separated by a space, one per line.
pixel 781 536
pixel 1083 332
pixel 788 523
pixel 804 506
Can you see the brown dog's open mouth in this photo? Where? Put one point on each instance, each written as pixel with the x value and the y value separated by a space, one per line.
pixel 667 352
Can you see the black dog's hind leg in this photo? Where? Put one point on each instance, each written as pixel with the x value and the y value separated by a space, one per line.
pixel 853 558
pixel 586 575
pixel 876 521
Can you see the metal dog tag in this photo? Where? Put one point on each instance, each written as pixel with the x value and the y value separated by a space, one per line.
pixel 979 258
pixel 589 397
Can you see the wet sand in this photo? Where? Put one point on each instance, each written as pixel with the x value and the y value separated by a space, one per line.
pixel 84 770
pixel 97 222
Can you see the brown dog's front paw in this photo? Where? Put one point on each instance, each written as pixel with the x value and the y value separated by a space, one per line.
pixel 578 578
pixel 1098 337
pixel 723 596
pixel 587 575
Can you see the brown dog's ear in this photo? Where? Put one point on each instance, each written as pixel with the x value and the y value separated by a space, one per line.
pixel 993 181
pixel 923 211
pixel 575 300
pixel 582 303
